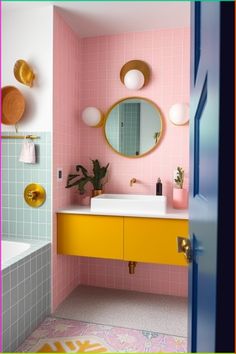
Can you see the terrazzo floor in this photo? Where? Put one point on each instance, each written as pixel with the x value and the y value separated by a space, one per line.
pixel 122 308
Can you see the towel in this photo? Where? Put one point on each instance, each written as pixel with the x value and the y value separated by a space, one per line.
pixel 28 152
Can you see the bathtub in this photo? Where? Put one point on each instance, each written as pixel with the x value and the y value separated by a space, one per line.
pixel 12 249
pixel 26 289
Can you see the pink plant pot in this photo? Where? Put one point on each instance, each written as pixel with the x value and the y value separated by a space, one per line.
pixel 180 198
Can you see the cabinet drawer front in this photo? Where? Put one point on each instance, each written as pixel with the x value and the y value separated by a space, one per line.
pixel 154 240
pixel 90 236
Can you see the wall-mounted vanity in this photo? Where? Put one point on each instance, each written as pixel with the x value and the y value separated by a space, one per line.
pixel 141 238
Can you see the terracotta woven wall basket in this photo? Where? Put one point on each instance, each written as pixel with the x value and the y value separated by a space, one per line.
pixel 13 105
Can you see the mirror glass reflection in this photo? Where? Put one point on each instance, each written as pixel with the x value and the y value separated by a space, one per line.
pixel 133 126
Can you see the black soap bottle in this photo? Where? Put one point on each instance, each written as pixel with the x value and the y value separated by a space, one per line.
pixel 159 187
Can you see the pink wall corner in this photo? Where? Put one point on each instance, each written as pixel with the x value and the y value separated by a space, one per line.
pixel 66 108
pixel 98 84
pixel 167 52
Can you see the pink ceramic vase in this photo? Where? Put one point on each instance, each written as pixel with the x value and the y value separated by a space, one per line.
pixel 180 198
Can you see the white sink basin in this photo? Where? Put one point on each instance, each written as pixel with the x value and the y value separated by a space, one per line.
pixel 130 203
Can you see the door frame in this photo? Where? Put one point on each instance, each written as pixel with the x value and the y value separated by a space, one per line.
pixel 225 283
pixel 225 306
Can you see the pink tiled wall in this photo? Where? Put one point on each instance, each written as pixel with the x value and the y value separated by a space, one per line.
pixel 66 93
pixel 150 278
pixel 86 73
pixel 168 54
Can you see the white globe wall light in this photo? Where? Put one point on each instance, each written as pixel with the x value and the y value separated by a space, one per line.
pixel 134 80
pixel 92 116
pixel 135 74
pixel 179 113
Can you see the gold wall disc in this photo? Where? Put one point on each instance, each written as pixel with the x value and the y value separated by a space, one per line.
pixel 34 195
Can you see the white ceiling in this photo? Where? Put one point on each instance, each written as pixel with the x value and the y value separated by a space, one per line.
pixel 96 18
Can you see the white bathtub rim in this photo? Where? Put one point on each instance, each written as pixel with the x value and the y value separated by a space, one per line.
pixel 35 245
pixel 12 249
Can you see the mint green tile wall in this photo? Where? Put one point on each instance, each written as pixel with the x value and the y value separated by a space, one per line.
pixel 130 134
pixel 18 219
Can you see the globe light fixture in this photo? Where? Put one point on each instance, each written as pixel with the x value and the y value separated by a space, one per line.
pixel 179 113
pixel 135 74
pixel 134 80
pixel 92 116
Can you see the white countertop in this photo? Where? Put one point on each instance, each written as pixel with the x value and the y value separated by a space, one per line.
pixel 85 210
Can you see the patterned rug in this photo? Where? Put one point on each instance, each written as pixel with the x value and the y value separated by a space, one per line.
pixel 56 335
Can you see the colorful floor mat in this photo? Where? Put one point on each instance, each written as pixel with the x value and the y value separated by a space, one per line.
pixel 56 335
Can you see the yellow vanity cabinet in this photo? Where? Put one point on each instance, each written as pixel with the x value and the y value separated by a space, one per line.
pixel 154 240
pixel 149 240
pixel 90 235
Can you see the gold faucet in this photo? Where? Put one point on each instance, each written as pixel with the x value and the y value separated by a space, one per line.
pixel 132 181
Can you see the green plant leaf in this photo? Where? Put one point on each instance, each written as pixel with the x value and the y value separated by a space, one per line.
pixel 96 179
pixel 83 170
pixel 70 177
pixel 96 167
pixel 99 174
pixel 72 184
pixel 81 184
pixel 179 180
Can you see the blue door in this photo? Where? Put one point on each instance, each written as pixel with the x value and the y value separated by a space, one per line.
pixel 205 149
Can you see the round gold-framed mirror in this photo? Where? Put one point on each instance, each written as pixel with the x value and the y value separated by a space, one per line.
pixel 133 126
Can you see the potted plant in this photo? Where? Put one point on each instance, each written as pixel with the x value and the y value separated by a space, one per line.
pixel 179 193
pixel 96 179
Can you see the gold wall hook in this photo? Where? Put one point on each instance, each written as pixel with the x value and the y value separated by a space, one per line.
pixel 34 195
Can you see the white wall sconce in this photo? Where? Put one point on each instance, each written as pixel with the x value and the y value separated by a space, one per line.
pixel 92 117
pixel 179 113
pixel 135 74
